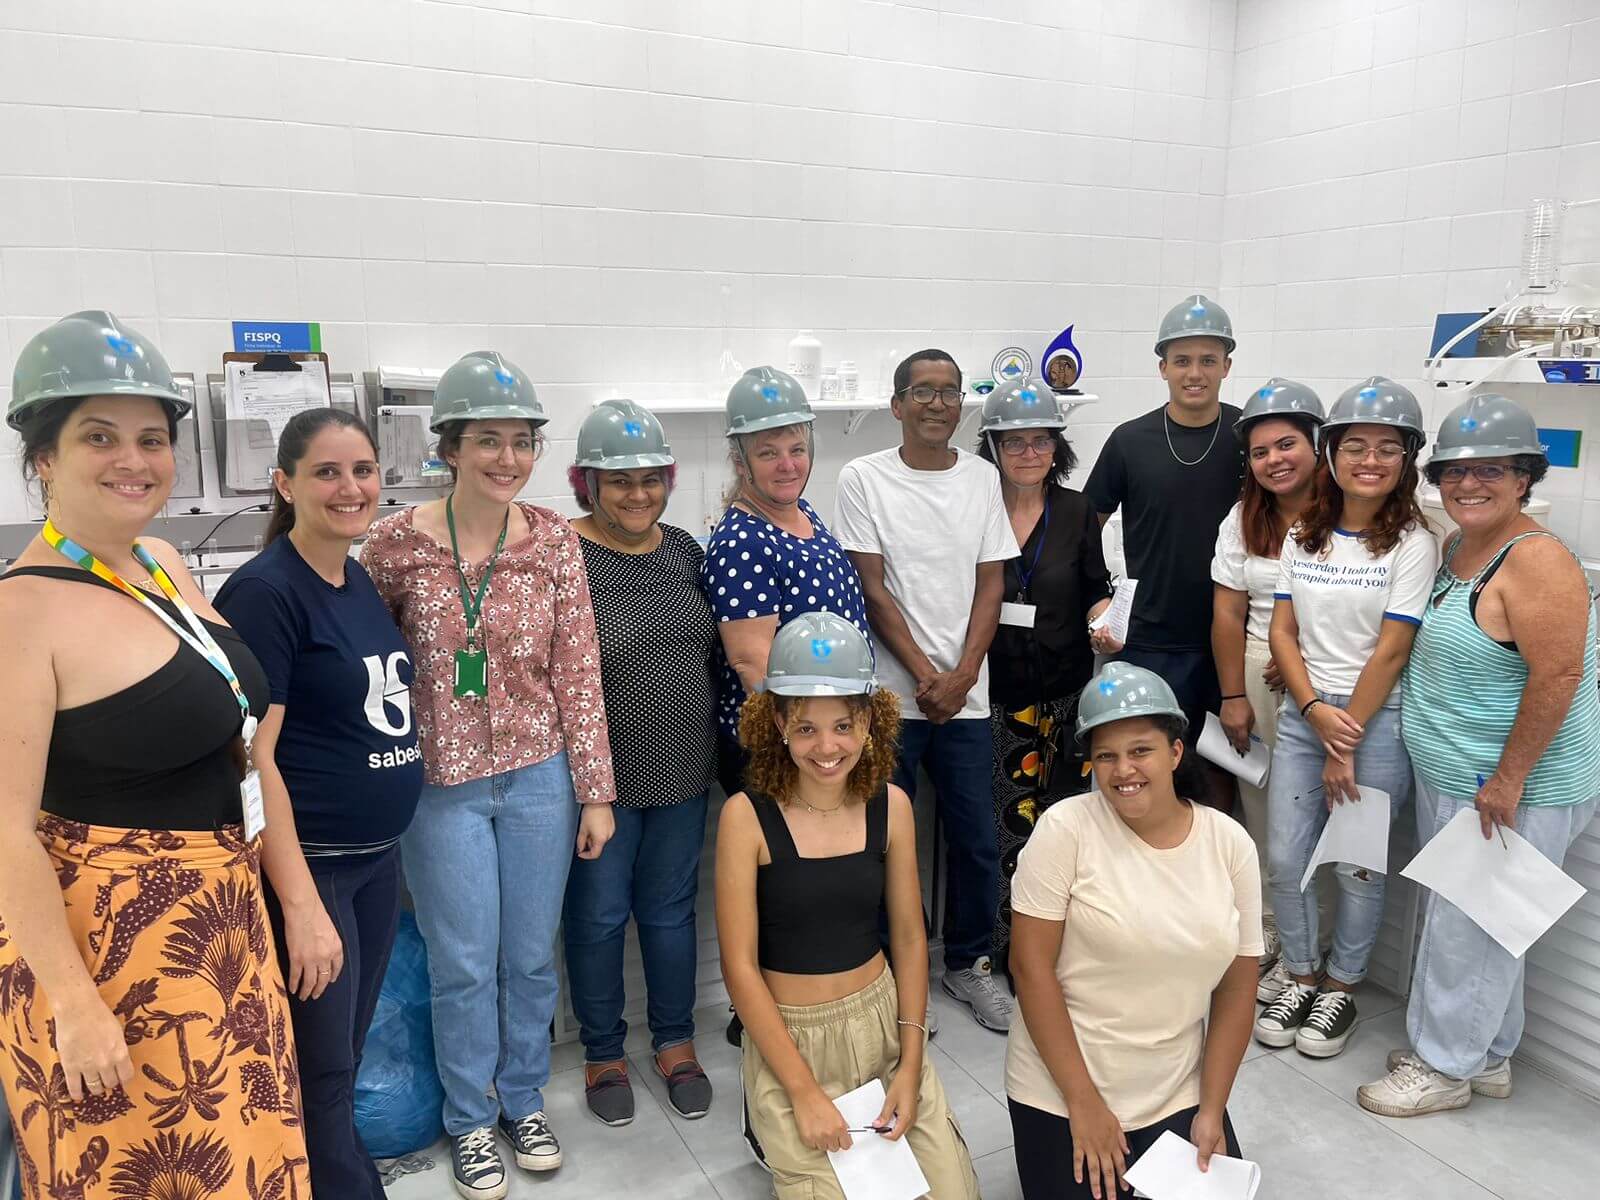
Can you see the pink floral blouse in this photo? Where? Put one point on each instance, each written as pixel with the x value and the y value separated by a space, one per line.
pixel 544 662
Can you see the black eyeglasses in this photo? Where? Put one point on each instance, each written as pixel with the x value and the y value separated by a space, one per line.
pixel 925 394
pixel 1482 472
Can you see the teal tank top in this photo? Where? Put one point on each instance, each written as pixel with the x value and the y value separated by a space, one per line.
pixel 1461 693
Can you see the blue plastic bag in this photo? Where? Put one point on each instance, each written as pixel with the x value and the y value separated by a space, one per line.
pixel 399 1100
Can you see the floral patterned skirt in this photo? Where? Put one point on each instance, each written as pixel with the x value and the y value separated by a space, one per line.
pixel 174 932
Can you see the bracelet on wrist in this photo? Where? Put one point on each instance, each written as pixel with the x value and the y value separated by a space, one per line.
pixel 914 1025
pixel 1235 696
pixel 1310 704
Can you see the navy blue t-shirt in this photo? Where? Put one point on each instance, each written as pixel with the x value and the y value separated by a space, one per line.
pixel 348 749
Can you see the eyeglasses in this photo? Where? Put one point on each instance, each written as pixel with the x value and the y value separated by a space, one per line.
pixel 489 445
pixel 926 395
pixel 1387 452
pixel 1017 446
pixel 1482 472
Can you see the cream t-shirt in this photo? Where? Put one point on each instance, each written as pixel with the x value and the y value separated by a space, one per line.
pixel 1149 934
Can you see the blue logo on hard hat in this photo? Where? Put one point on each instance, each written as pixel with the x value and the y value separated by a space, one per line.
pixel 1265 393
pixel 1028 396
pixel 1107 687
pixel 1197 309
pixel 770 394
pixel 1367 394
pixel 1469 423
pixel 121 345
pixel 821 648
pixel 632 429
pixel 504 377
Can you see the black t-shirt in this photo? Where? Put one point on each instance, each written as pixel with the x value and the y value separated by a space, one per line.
pixel 348 749
pixel 1066 577
pixel 658 639
pixel 1170 515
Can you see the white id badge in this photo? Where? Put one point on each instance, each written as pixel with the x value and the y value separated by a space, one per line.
pixel 255 808
pixel 1017 614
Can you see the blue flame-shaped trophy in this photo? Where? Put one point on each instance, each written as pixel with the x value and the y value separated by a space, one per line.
pixel 1063 364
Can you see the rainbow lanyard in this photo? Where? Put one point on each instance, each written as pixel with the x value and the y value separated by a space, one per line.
pixel 197 636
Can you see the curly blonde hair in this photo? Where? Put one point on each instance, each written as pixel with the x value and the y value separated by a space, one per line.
pixel 771 771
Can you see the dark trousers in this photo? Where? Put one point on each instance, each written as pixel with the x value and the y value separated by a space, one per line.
pixel 651 871
pixel 362 896
pixel 1042 1143
pixel 958 756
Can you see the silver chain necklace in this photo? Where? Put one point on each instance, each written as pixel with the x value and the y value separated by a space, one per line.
pixel 1166 428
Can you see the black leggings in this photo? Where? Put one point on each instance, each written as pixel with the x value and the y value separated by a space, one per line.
pixel 1043 1146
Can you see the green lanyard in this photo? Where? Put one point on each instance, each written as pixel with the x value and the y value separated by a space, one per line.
pixel 472 664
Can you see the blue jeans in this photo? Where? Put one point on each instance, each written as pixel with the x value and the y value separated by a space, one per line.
pixel 958 755
pixel 486 862
pixel 651 868
pixel 1466 992
pixel 1296 812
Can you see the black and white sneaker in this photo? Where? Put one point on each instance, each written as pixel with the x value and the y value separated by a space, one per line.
pixel 1280 1020
pixel 475 1164
pixel 1328 1026
pixel 536 1147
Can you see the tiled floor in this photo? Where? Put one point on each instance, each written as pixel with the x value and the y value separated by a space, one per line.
pixel 1294 1115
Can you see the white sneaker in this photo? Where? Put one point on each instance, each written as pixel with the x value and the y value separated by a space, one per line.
pixel 976 988
pixel 1412 1088
pixel 1494 1081
pixel 1272 983
pixel 1271 943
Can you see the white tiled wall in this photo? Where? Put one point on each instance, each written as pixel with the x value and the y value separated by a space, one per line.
pixel 1381 157
pixel 610 191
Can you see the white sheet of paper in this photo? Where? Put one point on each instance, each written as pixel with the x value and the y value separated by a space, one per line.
pixel 874 1168
pixel 1170 1170
pixel 1120 612
pixel 257 405
pixel 1510 890
pixel 1214 746
pixel 1017 614
pixel 1355 833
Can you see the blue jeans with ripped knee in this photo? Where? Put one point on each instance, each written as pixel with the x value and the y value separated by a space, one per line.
pixel 1297 810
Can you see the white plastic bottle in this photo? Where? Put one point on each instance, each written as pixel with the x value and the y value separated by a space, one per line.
pixel 805 363
pixel 849 381
pixel 829 387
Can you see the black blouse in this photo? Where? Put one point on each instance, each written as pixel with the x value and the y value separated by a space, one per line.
pixel 1053 659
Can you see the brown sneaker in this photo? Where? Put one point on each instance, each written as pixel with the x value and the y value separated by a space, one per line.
pixel 610 1095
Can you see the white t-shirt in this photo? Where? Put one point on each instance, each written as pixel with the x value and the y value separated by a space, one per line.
pixel 932 528
pixel 1235 567
pixel 1343 596
pixel 1148 936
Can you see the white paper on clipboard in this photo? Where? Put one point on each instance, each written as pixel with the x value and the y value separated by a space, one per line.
pixel 257 405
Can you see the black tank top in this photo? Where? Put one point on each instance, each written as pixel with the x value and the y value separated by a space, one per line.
pixel 819 916
pixel 158 754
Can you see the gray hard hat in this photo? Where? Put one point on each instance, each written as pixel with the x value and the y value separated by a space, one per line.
pixel 619 435
pixel 90 353
pixel 1378 400
pixel 766 398
pixel 1122 690
pixel 485 386
pixel 1025 405
pixel 1278 398
pixel 1197 316
pixel 820 654
pixel 1487 425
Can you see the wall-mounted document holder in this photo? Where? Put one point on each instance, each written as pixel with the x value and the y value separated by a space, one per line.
pixel 253 399
pixel 188 485
pixel 408 454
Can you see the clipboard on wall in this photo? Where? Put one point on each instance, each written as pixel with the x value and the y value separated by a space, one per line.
pixel 260 392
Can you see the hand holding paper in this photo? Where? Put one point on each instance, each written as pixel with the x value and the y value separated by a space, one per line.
pixel 1170 1170
pixel 874 1168
pixel 1214 746
pixel 1115 619
pixel 1356 833
pixel 1507 887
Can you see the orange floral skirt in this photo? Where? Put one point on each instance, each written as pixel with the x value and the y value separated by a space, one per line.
pixel 174 932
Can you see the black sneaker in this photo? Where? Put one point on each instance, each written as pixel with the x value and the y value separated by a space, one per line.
pixel 688 1089
pixel 1328 1026
pixel 475 1163
pixel 735 1033
pixel 610 1094
pixel 1278 1022
pixel 530 1136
